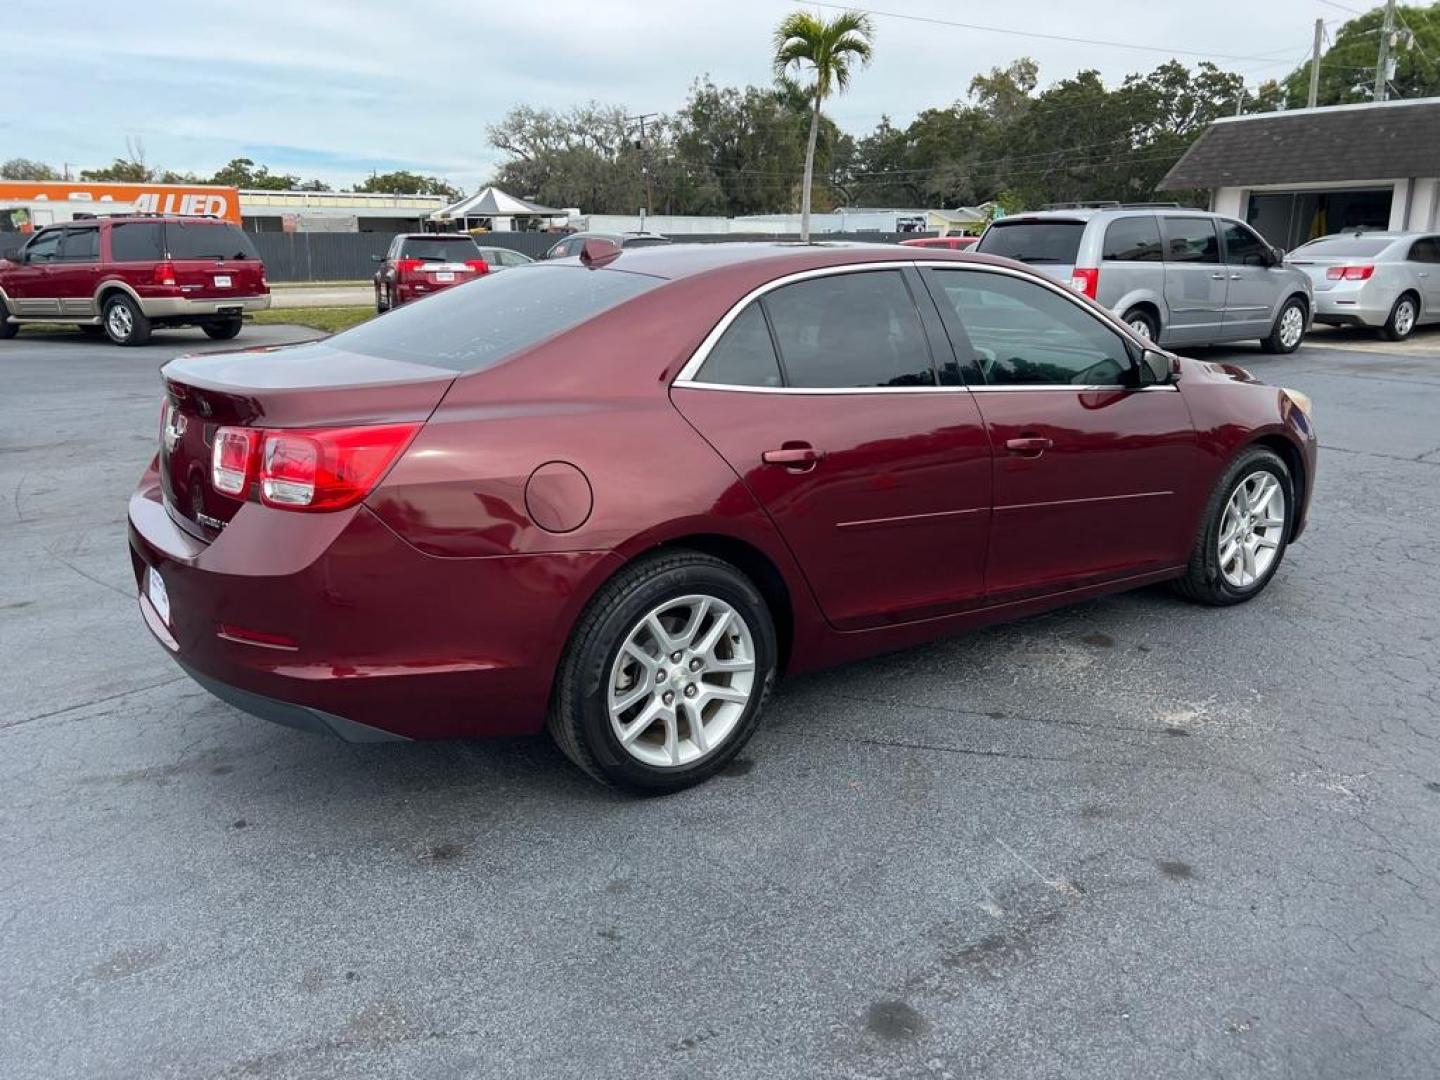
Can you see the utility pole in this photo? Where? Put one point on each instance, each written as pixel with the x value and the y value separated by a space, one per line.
pixel 1382 68
pixel 644 160
pixel 1314 97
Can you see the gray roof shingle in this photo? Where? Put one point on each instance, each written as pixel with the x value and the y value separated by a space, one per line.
pixel 1393 140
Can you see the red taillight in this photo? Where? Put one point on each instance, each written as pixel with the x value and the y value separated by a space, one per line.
pixel 480 266
pixel 1350 273
pixel 164 274
pixel 311 469
pixel 328 468
pixel 1086 282
pixel 232 459
pixel 407 266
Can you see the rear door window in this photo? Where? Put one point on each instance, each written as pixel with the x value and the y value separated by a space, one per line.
pixel 1426 250
pixel 744 355
pixel 850 330
pixel 1191 240
pixel 1132 239
pixel 1034 241
pixel 206 240
pixel 81 245
pixel 479 324
pixel 1243 246
pixel 136 241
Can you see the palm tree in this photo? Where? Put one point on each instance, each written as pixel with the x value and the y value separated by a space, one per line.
pixel 829 48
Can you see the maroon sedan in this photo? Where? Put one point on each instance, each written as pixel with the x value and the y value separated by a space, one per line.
pixel 617 495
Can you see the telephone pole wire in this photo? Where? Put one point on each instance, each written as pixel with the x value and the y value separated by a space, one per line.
pixel 645 156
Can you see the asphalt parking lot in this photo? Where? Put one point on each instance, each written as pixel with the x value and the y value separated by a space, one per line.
pixel 1131 838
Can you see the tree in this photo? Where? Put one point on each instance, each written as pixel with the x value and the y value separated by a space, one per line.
pixel 244 173
pixel 1347 68
pixel 408 183
pixel 829 47
pixel 25 169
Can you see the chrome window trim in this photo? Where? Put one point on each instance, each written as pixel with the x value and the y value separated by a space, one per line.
pixel 685 378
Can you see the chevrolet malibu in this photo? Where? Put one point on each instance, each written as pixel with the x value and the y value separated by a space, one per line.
pixel 616 495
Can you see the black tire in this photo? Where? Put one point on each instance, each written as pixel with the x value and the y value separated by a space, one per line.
pixel 1136 317
pixel 1272 342
pixel 134 331
pixel 380 306
pixel 579 719
pixel 223 330
pixel 1204 582
pixel 7 329
pixel 1392 332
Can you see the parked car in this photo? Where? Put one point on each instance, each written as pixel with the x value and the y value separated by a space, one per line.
pixel 951 243
pixel 1178 277
pixel 1386 280
pixel 499 258
pixel 572 244
pixel 617 496
pixel 417 265
pixel 127 275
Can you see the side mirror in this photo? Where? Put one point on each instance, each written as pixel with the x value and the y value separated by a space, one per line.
pixel 377 258
pixel 1277 257
pixel 1156 368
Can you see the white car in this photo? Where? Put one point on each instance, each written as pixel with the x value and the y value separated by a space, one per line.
pixel 1387 280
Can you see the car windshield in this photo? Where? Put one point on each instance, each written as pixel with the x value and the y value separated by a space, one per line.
pixel 1343 246
pixel 1033 241
pixel 476 325
pixel 457 250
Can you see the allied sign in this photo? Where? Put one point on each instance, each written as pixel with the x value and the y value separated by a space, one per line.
pixel 222 202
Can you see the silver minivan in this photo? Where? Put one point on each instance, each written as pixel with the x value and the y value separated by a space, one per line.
pixel 1178 277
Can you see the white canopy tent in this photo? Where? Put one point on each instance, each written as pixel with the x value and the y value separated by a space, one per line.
pixel 491 203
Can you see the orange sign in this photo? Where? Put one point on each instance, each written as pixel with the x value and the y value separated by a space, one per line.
pixel 221 202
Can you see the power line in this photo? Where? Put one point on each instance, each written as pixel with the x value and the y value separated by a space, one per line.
pixel 1039 36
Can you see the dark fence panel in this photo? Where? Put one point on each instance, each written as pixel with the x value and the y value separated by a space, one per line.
pixel 316 256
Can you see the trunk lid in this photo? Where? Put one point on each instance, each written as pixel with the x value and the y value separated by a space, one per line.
pixel 297 386
pixel 1315 268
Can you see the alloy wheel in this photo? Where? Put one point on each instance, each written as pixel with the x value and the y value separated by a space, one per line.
pixel 1251 529
pixel 681 681
pixel 1141 327
pixel 1404 318
pixel 1292 326
pixel 119 321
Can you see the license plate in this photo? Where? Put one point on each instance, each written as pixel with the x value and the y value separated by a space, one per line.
pixel 159 598
pixel 445 275
pixel 222 281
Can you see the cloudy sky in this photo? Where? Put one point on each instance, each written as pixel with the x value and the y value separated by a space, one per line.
pixel 334 89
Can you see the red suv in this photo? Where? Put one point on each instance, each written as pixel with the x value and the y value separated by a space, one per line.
pixel 126 276
pixel 418 264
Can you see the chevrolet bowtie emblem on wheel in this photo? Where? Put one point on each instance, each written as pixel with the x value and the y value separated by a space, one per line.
pixel 174 428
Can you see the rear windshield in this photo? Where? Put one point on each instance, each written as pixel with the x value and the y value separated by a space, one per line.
pixel 457 249
pixel 1033 241
pixel 207 240
pixel 1343 245
pixel 476 325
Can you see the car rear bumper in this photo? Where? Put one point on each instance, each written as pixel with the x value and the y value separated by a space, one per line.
pixel 1351 307
pixel 384 641
pixel 183 307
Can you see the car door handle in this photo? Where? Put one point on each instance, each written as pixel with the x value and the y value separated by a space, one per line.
pixel 1236 277
pixel 797 457
pixel 1422 273
pixel 1217 277
pixel 1031 445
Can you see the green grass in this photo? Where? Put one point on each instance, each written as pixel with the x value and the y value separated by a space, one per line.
pixel 329 319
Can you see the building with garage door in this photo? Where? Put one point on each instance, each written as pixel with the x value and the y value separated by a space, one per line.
pixel 1304 173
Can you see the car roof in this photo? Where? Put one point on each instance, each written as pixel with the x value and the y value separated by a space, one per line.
pixel 1088 213
pixel 438 236
pixel 776 258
